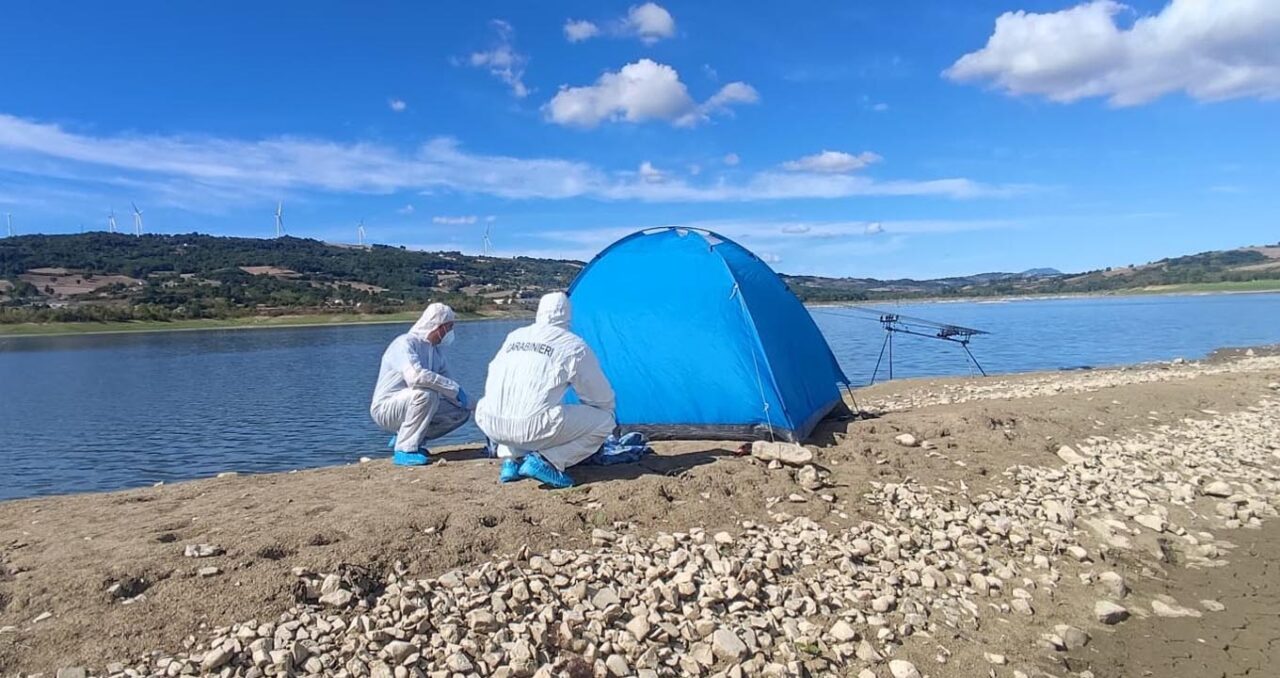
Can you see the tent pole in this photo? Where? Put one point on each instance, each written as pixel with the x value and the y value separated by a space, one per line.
pixel 876 371
pixel 890 355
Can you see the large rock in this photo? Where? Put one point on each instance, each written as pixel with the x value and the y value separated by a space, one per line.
pixel 1072 637
pixel 1162 608
pixel 339 598
pixel 1113 584
pixel 1151 522
pixel 842 631
pixel 1070 456
pixel 1108 612
pixel 399 651
pixel 215 659
pixel 617 665
pixel 906 440
pixel 900 668
pixel 208 550
pixel 727 645
pixel 786 453
pixel 1216 488
pixel 458 662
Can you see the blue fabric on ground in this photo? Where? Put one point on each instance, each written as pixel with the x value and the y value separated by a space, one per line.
pixel 627 449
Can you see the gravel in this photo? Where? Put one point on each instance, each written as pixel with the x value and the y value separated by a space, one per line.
pixel 792 595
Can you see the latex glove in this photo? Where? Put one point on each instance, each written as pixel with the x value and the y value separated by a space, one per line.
pixel 465 400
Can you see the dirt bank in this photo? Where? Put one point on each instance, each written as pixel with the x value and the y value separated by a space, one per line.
pixel 93 579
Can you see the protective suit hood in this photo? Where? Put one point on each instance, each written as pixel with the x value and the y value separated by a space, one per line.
pixel 436 315
pixel 554 309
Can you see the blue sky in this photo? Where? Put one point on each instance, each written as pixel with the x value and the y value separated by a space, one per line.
pixel 877 139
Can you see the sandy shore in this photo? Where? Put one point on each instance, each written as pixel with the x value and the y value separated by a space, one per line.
pixel 982 548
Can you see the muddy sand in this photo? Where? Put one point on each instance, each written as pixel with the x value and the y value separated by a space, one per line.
pixel 977 547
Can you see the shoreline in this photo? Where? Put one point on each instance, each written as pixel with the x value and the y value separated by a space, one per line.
pixel 71 565
pixel 74 329
pixel 89 328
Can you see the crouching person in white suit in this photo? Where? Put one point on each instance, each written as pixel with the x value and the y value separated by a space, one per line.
pixel 415 399
pixel 522 411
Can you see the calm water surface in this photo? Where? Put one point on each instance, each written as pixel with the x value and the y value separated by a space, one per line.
pixel 108 412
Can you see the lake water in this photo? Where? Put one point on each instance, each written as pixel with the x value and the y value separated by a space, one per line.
pixel 107 412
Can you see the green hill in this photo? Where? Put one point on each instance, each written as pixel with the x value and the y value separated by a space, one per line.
pixel 104 276
pixel 109 277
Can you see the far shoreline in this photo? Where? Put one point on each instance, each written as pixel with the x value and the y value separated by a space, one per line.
pixel 303 321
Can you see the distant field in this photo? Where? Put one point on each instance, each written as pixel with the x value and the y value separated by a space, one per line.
pixel 38 329
pixel 1247 286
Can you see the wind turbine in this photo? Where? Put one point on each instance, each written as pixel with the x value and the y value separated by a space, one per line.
pixel 111 222
pixel 360 233
pixel 137 220
pixel 279 219
pixel 488 244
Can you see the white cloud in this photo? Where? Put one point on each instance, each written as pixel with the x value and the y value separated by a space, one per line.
pixel 732 93
pixel 874 228
pixel 650 22
pixel 638 92
pixel 503 61
pixel 490 219
pixel 454 221
pixel 577 31
pixel 215 171
pixel 695 169
pixel 731 159
pixel 834 162
pixel 769 257
pixel 397 105
pixel 407 209
pixel 796 229
pixel 880 107
pixel 650 174
pixel 1209 49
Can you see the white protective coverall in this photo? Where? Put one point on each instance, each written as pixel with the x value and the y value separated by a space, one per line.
pixel 415 398
pixel 522 409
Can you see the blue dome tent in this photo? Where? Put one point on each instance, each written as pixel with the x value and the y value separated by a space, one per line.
pixel 701 339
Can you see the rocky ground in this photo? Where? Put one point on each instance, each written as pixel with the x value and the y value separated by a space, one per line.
pixel 1105 523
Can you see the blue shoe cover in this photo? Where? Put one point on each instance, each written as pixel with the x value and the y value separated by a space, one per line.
pixel 510 471
pixel 410 459
pixel 534 466
pixel 391 444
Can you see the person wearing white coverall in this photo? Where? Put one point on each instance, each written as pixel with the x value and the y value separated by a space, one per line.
pixel 523 410
pixel 415 398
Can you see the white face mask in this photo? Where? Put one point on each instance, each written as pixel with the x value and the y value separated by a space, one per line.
pixel 448 338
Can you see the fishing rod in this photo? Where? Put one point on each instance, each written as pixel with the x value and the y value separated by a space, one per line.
pixel 896 323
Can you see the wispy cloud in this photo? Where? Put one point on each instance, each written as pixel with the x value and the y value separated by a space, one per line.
pixel 806 247
pixel 397 105
pixel 835 162
pixel 219 169
pixel 502 60
pixel 406 210
pixel 455 221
